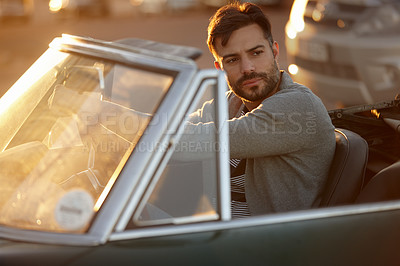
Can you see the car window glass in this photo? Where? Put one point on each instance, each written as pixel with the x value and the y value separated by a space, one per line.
pixel 66 134
pixel 186 191
pixel 141 90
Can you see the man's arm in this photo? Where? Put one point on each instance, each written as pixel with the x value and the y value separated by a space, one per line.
pixel 280 125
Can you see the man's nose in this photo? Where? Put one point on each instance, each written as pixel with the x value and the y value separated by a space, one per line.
pixel 246 66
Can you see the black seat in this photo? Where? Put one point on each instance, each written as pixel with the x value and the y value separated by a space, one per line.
pixel 347 171
pixel 385 185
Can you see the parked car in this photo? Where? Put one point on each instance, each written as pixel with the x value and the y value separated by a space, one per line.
pixel 69 8
pixel 219 3
pixel 16 9
pixel 92 171
pixel 155 7
pixel 348 52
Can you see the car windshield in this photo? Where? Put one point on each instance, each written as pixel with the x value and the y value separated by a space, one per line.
pixel 66 127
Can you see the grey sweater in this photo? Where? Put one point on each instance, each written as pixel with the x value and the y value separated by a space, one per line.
pixel 288 142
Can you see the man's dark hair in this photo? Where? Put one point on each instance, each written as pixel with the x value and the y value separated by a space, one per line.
pixel 232 17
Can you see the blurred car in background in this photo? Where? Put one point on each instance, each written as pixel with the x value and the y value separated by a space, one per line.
pixel 148 7
pixel 347 52
pixel 16 9
pixel 79 7
pixel 218 3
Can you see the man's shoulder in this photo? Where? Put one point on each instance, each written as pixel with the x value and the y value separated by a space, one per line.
pixel 289 86
pixel 294 93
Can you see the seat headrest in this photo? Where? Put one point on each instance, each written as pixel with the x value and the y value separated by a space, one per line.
pixel 347 170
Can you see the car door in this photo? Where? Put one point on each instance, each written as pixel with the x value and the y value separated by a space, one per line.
pixel 346 235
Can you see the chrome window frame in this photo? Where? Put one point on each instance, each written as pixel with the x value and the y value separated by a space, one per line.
pixel 191 100
pixel 261 220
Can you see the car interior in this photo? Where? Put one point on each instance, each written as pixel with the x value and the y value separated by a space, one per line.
pixel 370 170
pixel 350 160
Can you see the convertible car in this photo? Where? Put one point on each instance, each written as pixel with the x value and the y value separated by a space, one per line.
pixel 93 171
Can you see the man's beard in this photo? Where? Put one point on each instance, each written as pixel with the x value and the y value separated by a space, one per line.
pixel 253 94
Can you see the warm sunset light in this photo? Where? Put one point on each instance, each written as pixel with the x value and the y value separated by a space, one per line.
pixel 375 113
pixel 317 15
pixel 136 2
pixel 293 69
pixel 56 5
pixel 112 180
pixel 296 22
pixel 43 65
pixel 341 24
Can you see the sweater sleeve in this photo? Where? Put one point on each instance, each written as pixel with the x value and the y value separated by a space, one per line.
pixel 282 124
pixel 289 121
pixel 204 114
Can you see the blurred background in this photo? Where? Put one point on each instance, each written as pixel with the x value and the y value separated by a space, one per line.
pixel 346 51
pixel 28 26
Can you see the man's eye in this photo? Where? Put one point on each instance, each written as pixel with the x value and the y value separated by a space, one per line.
pixel 231 60
pixel 257 52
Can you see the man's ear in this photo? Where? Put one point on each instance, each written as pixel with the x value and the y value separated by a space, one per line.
pixel 217 65
pixel 275 49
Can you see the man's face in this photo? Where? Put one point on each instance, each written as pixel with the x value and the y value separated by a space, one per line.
pixel 249 63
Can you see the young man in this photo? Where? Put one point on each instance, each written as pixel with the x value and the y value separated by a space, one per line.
pixel 281 137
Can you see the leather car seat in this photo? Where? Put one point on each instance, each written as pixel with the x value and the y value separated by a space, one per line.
pixel 382 186
pixel 346 176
